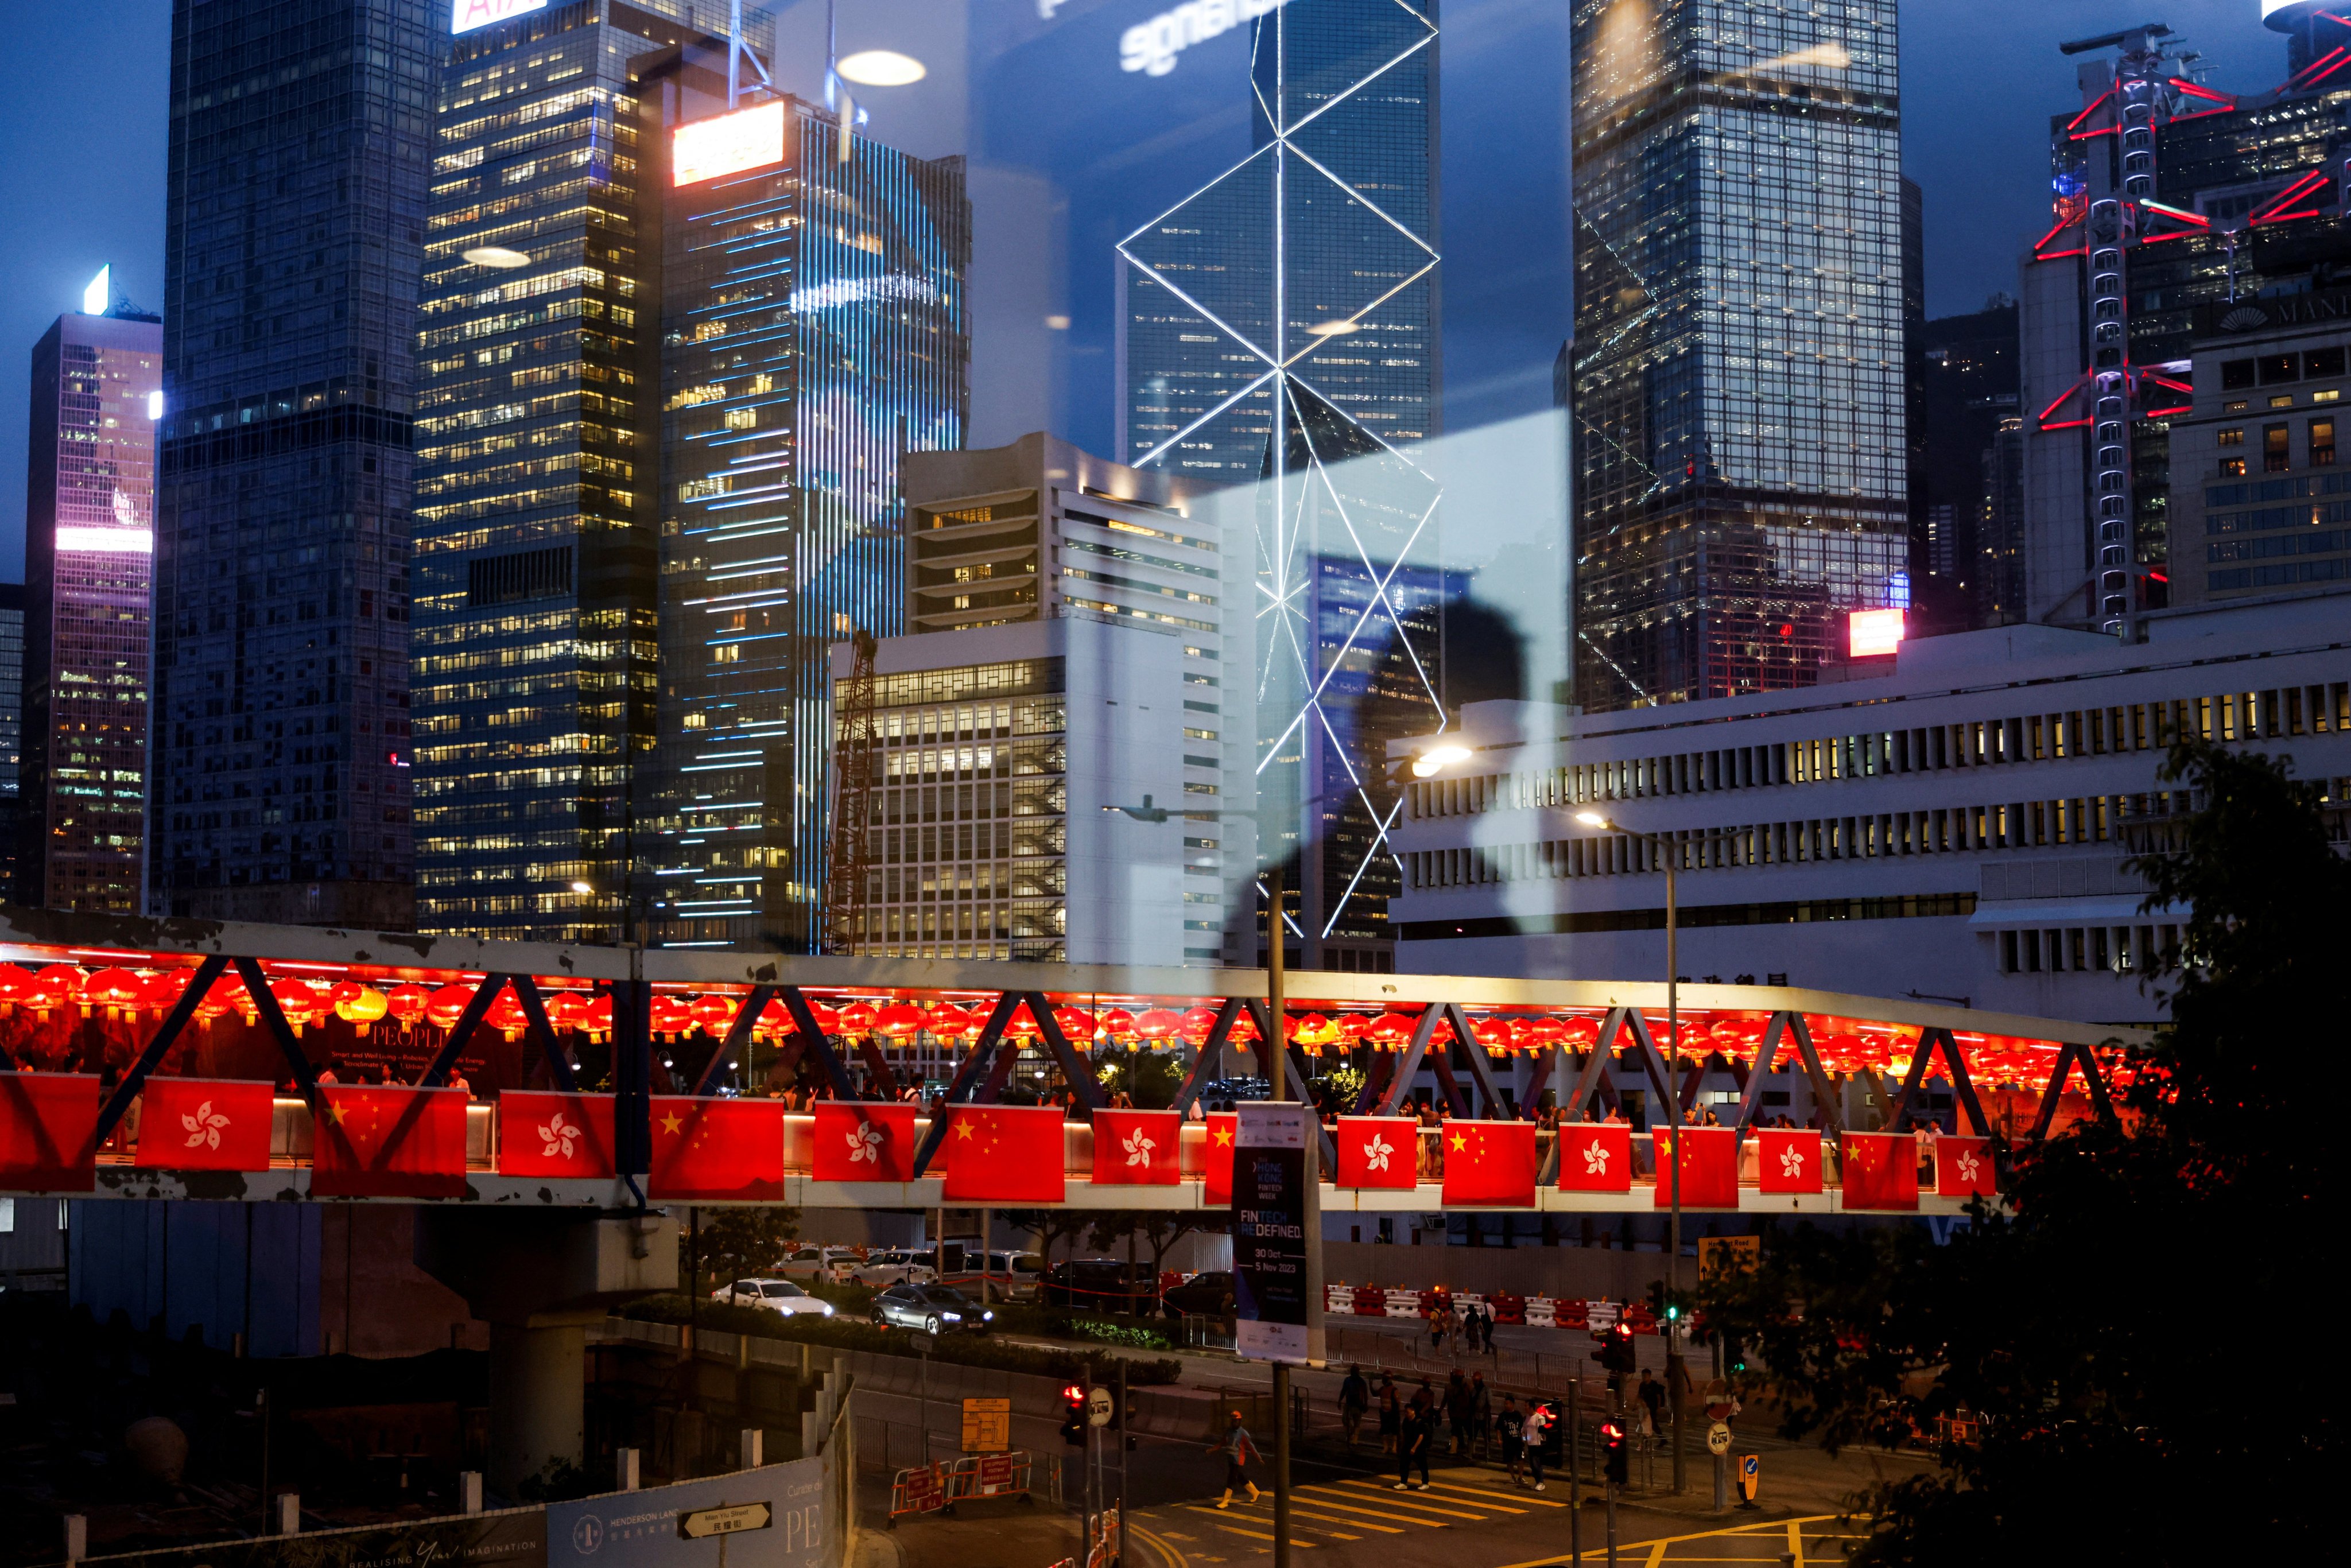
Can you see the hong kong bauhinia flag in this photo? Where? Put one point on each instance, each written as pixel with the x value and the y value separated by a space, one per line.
pixel 49 1131
pixel 1595 1156
pixel 1379 1151
pixel 1490 1163
pixel 204 1123
pixel 1963 1169
pixel 1005 1154
pixel 546 1134
pixel 715 1150
pixel 1880 1171
pixel 1709 1167
pixel 389 1141
pixel 1138 1148
pixel 1787 1159
pixel 1218 1161
pixel 860 1141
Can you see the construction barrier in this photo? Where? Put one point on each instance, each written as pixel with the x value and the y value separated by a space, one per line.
pixel 920 1489
pixel 990 1475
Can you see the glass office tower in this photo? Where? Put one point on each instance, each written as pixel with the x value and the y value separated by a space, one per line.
pixel 535 636
pixel 1737 387
pixel 813 333
pixel 294 225
pixel 12 726
pixel 90 511
pixel 1279 329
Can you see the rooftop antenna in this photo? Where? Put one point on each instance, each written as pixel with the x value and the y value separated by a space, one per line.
pixel 836 93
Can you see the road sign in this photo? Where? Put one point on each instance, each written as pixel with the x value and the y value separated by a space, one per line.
pixel 1750 1474
pixel 1732 1254
pixel 1097 1406
pixel 1717 1438
pixel 725 1520
pixel 986 1426
pixel 1719 1404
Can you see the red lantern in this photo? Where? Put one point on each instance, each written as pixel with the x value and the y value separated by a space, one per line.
pixel 1390 1031
pixel 565 1010
pixel 160 991
pixel 302 1006
pixel 948 1022
pixel 713 1014
pixel 53 987
pixel 595 1018
pixel 16 987
pixel 1118 1024
pixel 1158 1023
pixel 506 1014
pixel 1545 1031
pixel 1023 1026
pixel 860 1018
pixel 441 1009
pixel 1196 1024
pixel 409 1004
pixel 900 1021
pixel 670 1016
pixel 113 990
pixel 1077 1024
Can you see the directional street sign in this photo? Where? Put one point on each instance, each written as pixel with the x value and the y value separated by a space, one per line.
pixel 726 1519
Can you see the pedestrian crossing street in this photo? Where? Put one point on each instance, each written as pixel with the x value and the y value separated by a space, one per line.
pixel 1355 1508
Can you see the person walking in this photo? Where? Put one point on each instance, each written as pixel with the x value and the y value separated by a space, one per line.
pixel 1238 1448
pixel 1354 1398
pixel 1538 1423
pixel 1436 1331
pixel 1412 1445
pixel 1457 1410
pixel 1513 1434
pixel 1652 1395
pixel 1391 1413
pixel 1481 1411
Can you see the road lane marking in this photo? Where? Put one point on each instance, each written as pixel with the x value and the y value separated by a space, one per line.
pixel 1747 1532
pixel 1174 1558
pixel 1429 1507
pixel 1260 1536
pixel 1260 1518
pixel 1511 1497
pixel 1390 1509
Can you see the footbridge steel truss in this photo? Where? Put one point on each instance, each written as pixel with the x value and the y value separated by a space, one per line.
pixel 123 1002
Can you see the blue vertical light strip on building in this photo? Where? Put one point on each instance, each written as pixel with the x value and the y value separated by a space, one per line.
pixel 1295 295
pixel 815 332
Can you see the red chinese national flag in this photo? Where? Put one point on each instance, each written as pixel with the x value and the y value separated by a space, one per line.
pixel 1490 1163
pixel 1595 1156
pixel 1379 1151
pixel 1709 1166
pixel 204 1123
pixel 1963 1169
pixel 1880 1171
pixel 1138 1148
pixel 857 1141
pixel 1005 1154
pixel 1218 1160
pixel 49 1131
pixel 546 1132
pixel 389 1141
pixel 1787 1159
pixel 713 1149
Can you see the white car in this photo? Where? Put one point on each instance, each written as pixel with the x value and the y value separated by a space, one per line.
pixel 893 1268
pixel 831 1264
pixel 775 1295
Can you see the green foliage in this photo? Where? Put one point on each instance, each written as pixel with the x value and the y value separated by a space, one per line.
pixel 735 1243
pixel 2095 1333
pixel 964 1349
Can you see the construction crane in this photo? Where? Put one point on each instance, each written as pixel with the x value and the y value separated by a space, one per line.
pixel 853 802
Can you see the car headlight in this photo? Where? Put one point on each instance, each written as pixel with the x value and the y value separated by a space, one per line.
pixel 825 1307
pixel 951 1317
pixel 987 1317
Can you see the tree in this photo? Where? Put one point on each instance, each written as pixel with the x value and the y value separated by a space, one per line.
pixel 1157 1229
pixel 2110 1334
pixel 736 1243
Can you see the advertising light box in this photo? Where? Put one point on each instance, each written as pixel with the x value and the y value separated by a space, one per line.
pixel 747 139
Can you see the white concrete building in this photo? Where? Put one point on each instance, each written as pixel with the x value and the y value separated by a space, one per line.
pixel 1949 824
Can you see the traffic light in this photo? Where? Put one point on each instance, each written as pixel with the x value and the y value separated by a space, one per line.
pixel 1734 1355
pixel 1073 1415
pixel 1612 1452
pixel 1616 1352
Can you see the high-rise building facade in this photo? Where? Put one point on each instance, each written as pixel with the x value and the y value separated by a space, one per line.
pixel 1279 333
pixel 536 637
pixel 1739 392
pixel 12 726
pixel 295 227
pixel 90 540
pixel 814 336
pixel 2169 197
pixel 1970 394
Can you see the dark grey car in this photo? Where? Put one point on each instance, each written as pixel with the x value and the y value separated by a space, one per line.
pixel 935 1308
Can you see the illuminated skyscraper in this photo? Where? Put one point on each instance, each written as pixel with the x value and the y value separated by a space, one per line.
pixel 294 224
pixel 536 505
pixel 813 333
pixel 1738 390
pixel 90 540
pixel 1278 329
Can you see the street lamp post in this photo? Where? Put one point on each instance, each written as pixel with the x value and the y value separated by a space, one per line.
pixel 1668 851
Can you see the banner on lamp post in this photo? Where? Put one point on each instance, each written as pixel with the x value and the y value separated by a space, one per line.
pixel 1277 1255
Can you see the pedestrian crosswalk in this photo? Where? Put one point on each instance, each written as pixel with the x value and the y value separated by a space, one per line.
pixel 1354 1509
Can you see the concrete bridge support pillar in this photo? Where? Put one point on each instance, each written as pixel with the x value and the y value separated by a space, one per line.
pixel 539 1280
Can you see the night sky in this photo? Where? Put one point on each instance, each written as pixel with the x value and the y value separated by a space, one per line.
pixel 1069 152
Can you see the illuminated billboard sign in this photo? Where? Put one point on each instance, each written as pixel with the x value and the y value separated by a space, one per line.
pixel 749 139
pixel 105 541
pixel 464 15
pixel 1151 46
pixel 1872 634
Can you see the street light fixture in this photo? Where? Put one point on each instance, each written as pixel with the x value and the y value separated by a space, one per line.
pixel 1669 851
